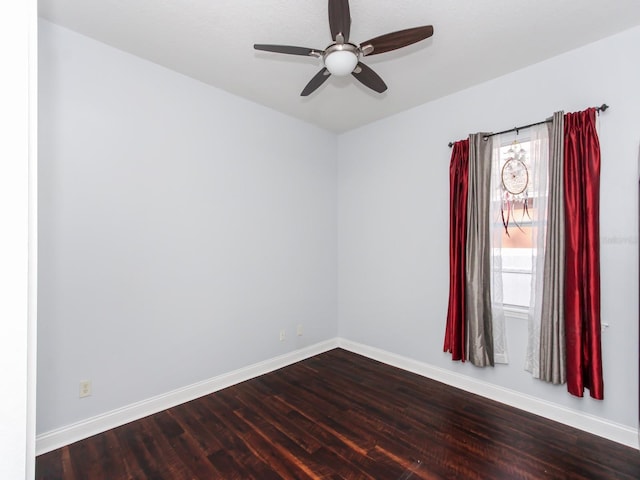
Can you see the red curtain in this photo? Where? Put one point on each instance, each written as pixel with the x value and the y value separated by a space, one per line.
pixel 454 341
pixel 582 282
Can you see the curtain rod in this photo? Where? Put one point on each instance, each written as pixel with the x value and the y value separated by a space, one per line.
pixel 601 108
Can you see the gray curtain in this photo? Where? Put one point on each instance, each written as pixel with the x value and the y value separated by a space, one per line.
pixel 552 346
pixel 479 333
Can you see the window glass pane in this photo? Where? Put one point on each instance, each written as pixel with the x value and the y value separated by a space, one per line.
pixel 516 288
pixel 516 276
pixel 516 212
pixel 517 259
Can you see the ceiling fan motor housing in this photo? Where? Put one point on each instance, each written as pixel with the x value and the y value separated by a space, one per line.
pixel 341 58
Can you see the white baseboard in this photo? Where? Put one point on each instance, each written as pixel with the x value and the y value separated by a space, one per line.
pixel 66 435
pixel 588 423
pixel 54 439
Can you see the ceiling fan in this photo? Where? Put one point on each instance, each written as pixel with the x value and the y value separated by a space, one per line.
pixel 342 57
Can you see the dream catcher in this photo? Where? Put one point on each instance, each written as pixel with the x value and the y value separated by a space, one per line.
pixel 515 183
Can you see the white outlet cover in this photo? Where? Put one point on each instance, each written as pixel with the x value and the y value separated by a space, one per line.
pixel 85 388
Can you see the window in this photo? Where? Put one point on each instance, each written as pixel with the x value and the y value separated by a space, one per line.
pixel 514 214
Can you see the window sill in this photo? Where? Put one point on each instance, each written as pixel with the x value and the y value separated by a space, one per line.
pixel 515 312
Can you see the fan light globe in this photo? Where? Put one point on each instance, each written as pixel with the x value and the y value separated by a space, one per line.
pixel 341 62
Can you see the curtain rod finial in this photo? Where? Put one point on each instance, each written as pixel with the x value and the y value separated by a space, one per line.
pixel 603 107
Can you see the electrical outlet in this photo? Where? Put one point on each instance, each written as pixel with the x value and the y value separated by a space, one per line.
pixel 299 330
pixel 85 388
pixel 283 335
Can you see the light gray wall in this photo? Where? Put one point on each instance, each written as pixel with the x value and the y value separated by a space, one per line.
pixel 180 229
pixel 393 195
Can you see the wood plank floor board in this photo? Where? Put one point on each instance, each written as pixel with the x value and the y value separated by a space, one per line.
pixel 279 417
pixel 238 440
pixel 330 396
pixel 283 445
pixel 340 442
pixel 339 416
pixel 49 465
pixel 105 457
pixel 336 444
pixel 67 466
pixel 140 451
pixel 151 451
pixel 194 425
pixel 271 453
pixel 391 417
pixel 525 437
pixel 478 422
pixel 416 448
pixel 188 449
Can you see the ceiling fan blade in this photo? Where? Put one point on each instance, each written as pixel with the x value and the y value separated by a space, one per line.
pixel 369 78
pixel 395 40
pixel 315 82
pixel 312 52
pixel 339 19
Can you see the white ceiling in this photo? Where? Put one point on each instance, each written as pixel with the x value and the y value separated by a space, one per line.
pixel 212 40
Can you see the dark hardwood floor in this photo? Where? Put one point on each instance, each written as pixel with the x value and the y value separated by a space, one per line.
pixel 341 416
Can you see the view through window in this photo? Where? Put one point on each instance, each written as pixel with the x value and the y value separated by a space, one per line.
pixel 515 219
